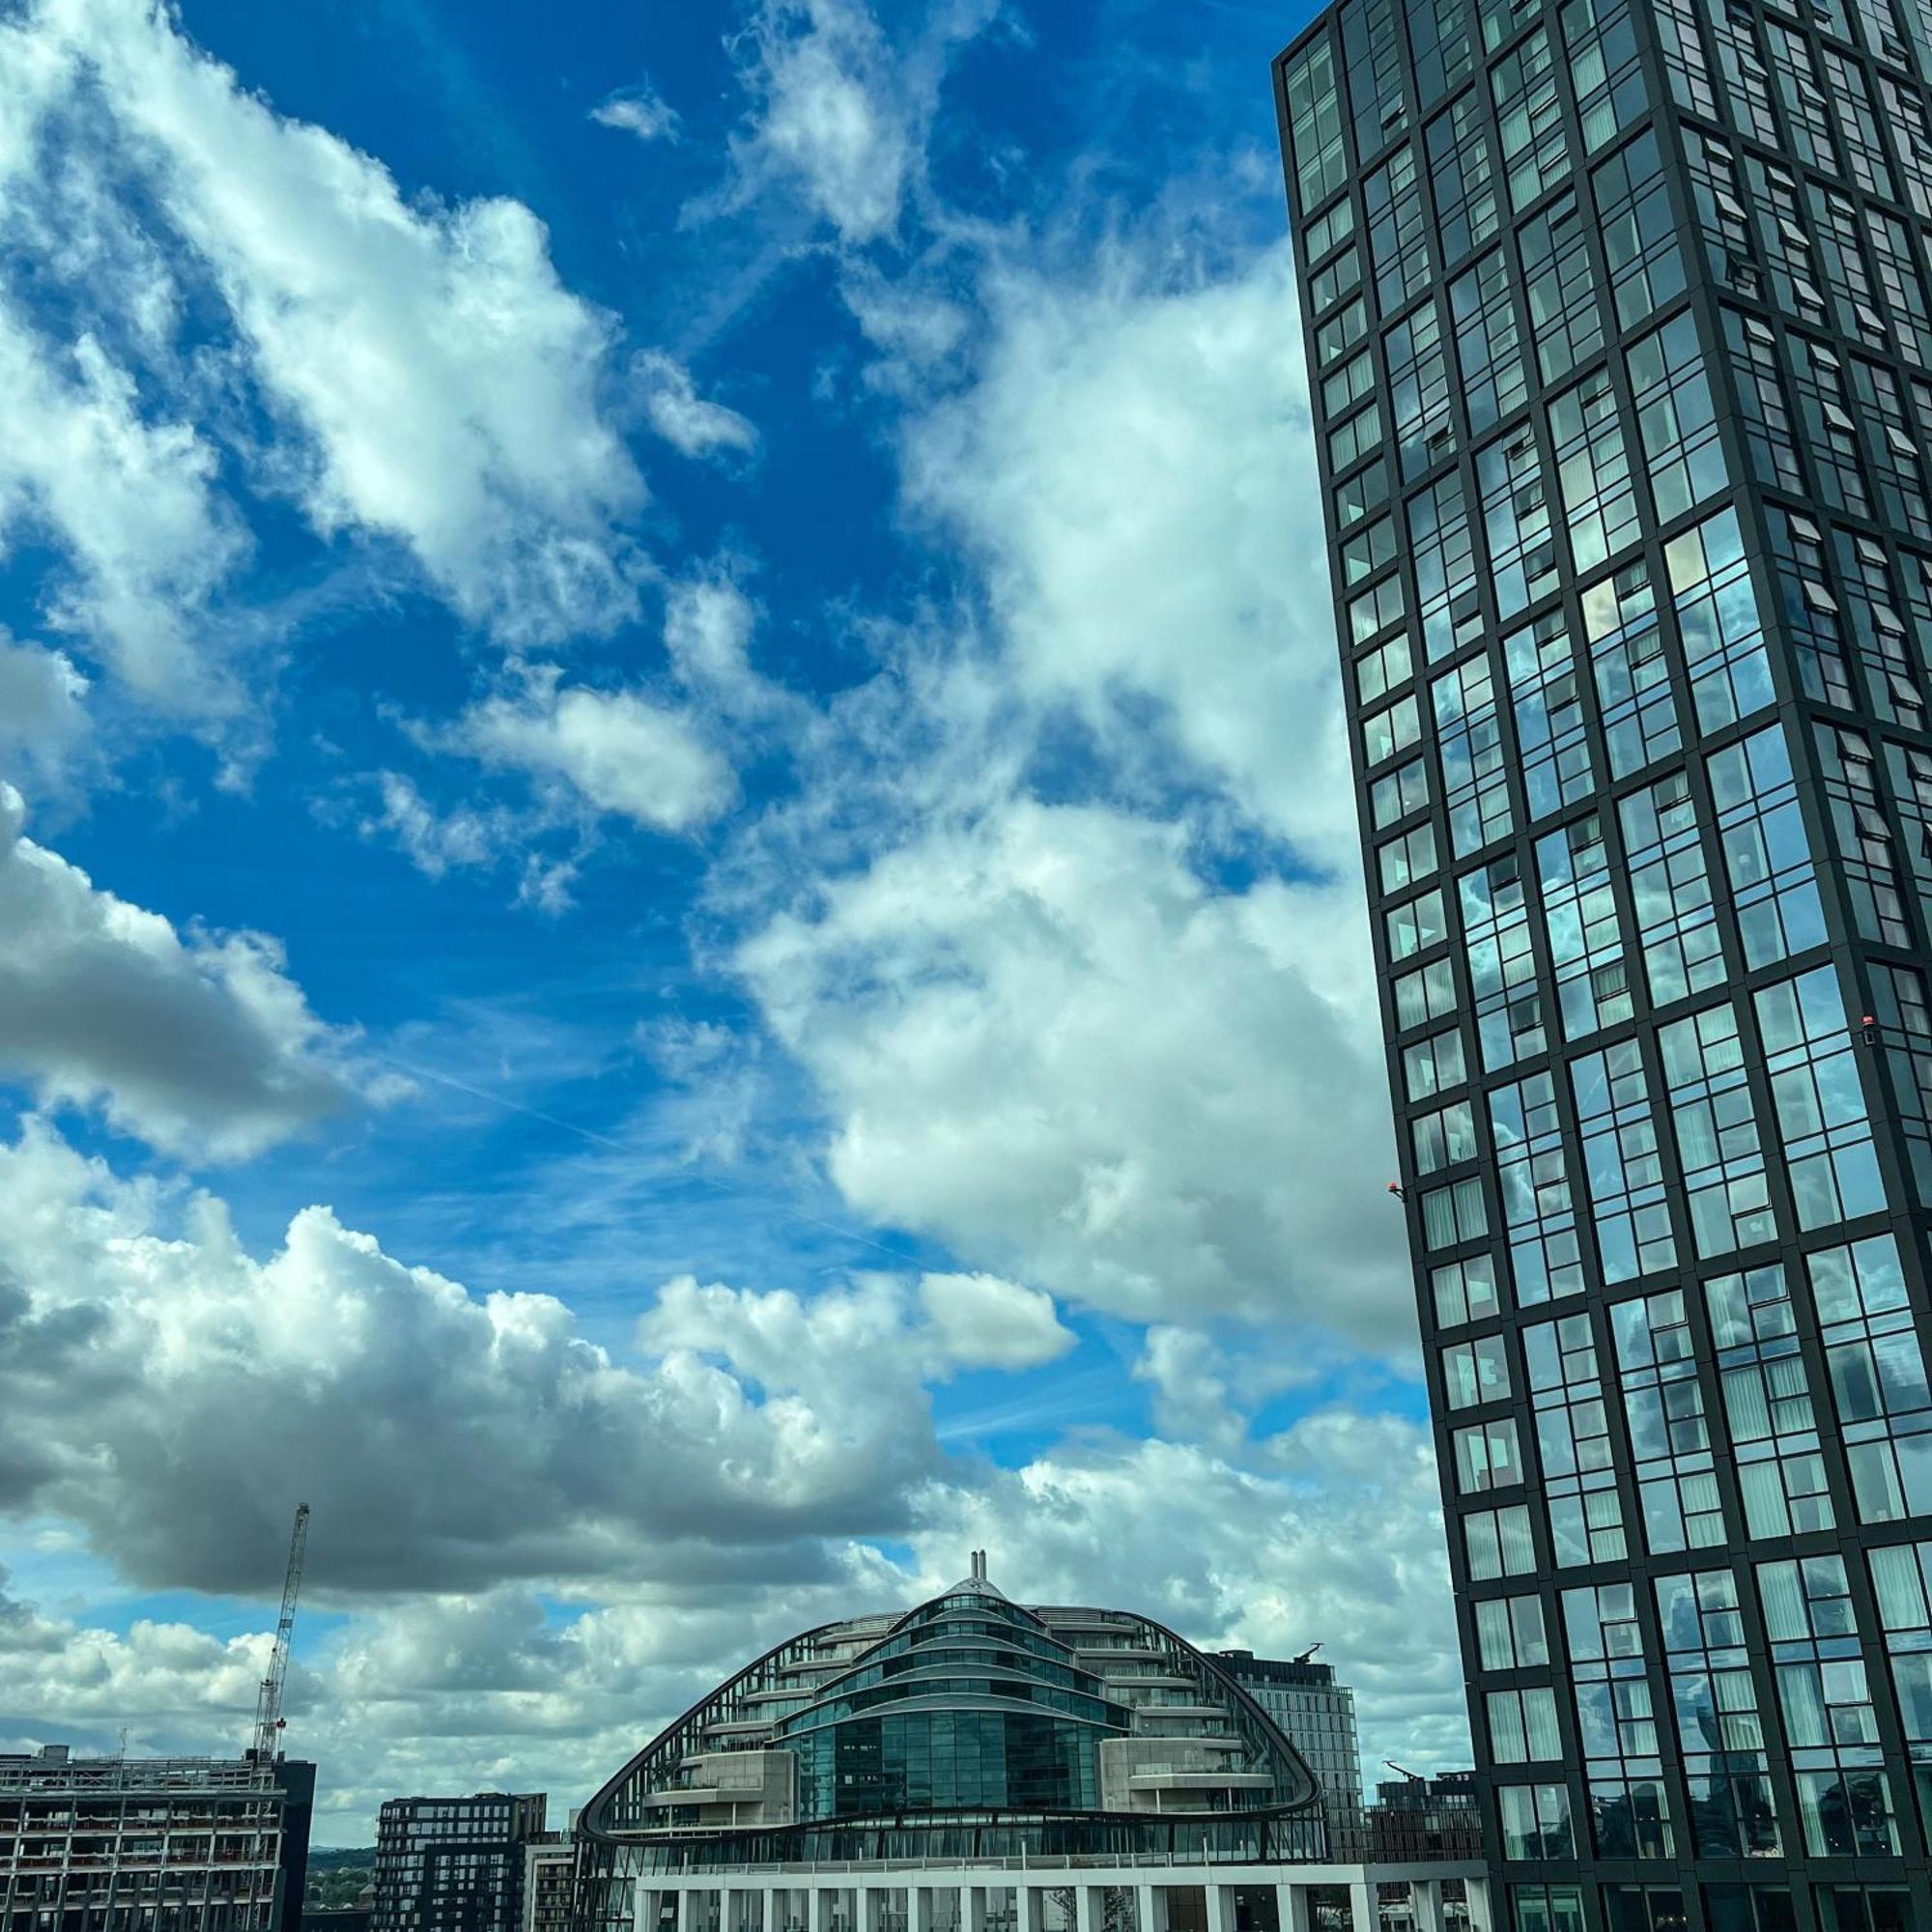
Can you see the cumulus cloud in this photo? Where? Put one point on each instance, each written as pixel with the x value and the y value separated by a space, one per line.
pixel 42 709
pixel 685 419
pixel 441 385
pixel 990 1323
pixel 201 1044
pixel 1044 1038
pixel 172 1394
pixel 637 110
pixel 616 749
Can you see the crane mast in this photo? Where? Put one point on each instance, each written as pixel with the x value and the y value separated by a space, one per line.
pixel 269 1704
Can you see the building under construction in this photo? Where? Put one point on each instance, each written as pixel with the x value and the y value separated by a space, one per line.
pixel 163 1844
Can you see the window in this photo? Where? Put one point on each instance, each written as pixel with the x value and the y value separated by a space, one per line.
pixel 1489 346
pixel 1593 471
pixel 1552 745
pixel 1616 1723
pixel 1878 1375
pixel 1418 377
pixel 1443 1138
pixel 1359 436
pixel 1768 1404
pixel 1767 856
pixel 1487 1457
pixel 1717 621
pixel 1454 1214
pixel 1502 971
pixel 1639 236
pixel 1536 1821
pixel 1357 495
pixel 1415 927
pixel 1462 177
pixel 1389 731
pixel 1715 1130
pixel 1442 554
pixel 1579 913
pixel 1499 1543
pixel 1475 785
pixel 1379 671
pixel 1433 1066
pixel 1820 1102
pixel 1573 1442
pixel 1375 609
pixel 1533 1180
pixel 1862 833
pixel 1396 243
pixel 1623 1163
pixel 1900 1574
pixel 1404 790
pixel 1315 124
pixel 1670 1440
pixel 1675 418
pixel 1530 119
pixel 1475 1371
pixel 1566 307
pixel 1600 49
pixel 1516 522
pixel 1631 670
pixel 1844 1800
pixel 1523 1727
pixel 1714 1700
pixel 1510 1633
pixel 1465 1291
pixel 1429 993
pixel 1670 887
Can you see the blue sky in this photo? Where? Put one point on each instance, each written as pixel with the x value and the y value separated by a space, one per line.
pixel 677 921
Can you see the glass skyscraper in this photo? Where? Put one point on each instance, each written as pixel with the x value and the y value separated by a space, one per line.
pixel 1620 359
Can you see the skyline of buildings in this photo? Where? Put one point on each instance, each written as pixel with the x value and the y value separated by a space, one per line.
pixel 1621 370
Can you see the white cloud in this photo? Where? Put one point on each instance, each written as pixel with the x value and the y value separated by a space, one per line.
pixel 840 115
pixel 1125 470
pixel 202 1045
pixel 708 627
pixel 829 118
pixel 616 749
pixel 990 1323
pixel 446 384
pixel 42 709
pixel 760 1422
pixel 1044 1040
pixel 637 110
pixel 132 503
pixel 685 419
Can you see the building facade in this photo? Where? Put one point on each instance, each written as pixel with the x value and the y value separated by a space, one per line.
pixel 1317 1713
pixel 1620 362
pixel 973 1765
pixel 454 1864
pixel 153 1844
pixel 547 1879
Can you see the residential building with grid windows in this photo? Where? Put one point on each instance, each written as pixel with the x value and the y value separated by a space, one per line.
pixel 1620 367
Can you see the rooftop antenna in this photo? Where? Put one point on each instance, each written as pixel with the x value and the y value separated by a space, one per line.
pixel 269 1721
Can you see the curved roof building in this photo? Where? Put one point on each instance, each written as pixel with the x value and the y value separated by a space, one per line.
pixel 967 1727
pixel 976 1765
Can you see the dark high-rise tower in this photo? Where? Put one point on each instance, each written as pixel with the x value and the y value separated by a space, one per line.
pixel 1620 365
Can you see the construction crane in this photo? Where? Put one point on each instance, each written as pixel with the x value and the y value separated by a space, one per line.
pixel 269 1704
